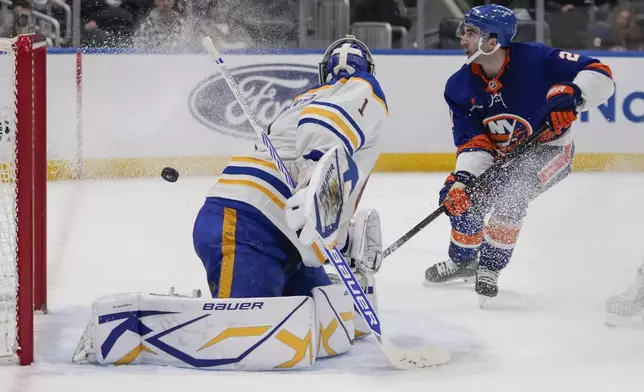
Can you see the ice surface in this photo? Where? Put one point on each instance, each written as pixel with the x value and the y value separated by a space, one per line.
pixel 582 243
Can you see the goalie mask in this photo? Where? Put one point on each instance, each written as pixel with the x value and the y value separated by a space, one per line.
pixel 344 57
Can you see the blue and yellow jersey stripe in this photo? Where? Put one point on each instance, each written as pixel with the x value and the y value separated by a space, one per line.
pixel 343 116
pixel 257 182
pixel 244 173
pixel 336 120
pixel 332 109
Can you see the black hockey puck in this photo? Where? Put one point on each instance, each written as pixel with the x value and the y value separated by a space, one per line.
pixel 169 174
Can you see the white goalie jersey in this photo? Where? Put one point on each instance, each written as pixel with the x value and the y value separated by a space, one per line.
pixel 349 111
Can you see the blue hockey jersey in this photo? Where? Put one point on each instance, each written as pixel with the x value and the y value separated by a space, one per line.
pixel 491 116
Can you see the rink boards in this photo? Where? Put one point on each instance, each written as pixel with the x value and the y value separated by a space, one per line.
pixel 128 114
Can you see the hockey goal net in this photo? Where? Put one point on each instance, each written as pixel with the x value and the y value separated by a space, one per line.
pixel 23 176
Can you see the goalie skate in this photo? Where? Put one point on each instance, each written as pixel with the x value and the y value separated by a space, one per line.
pixel 196 293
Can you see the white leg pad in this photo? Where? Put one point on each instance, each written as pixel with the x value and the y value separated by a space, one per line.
pixel 232 334
pixel 334 320
pixel 368 284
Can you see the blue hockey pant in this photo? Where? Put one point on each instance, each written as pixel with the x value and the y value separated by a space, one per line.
pixel 246 256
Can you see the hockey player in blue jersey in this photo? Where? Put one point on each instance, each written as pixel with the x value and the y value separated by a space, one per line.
pixel 241 234
pixel 504 93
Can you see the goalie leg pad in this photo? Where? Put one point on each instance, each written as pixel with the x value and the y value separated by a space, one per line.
pixel 368 284
pixel 218 334
pixel 227 334
pixel 335 320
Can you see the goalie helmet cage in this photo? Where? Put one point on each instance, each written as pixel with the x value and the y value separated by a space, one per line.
pixel 23 181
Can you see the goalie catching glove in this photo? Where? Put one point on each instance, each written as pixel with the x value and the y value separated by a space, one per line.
pixel 364 242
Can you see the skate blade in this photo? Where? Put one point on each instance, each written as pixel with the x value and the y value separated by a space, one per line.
pixel 615 321
pixel 454 282
pixel 482 301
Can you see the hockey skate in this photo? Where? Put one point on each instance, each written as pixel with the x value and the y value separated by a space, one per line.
pixel 627 309
pixel 486 284
pixel 196 293
pixel 448 271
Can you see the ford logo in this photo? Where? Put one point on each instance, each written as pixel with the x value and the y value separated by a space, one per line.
pixel 268 88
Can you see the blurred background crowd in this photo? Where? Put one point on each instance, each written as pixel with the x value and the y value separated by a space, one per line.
pixel 383 24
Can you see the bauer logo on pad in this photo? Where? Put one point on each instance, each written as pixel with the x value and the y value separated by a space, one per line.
pixel 269 89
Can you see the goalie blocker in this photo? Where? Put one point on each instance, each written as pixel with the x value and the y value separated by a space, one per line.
pixel 228 334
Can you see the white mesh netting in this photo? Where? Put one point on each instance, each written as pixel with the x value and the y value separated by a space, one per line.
pixel 8 232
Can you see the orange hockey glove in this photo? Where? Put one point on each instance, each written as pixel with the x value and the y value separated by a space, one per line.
pixel 560 108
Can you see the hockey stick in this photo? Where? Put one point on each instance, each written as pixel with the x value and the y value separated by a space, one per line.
pixel 478 183
pixel 400 358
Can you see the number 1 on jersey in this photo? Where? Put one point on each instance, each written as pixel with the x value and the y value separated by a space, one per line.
pixel 364 105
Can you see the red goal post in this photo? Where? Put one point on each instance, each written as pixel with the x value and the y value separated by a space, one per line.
pixel 23 193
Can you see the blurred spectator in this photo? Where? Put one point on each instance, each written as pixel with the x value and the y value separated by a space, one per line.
pixel 639 6
pixel 622 32
pixel 164 28
pixel 218 22
pixel 138 8
pixel 551 5
pixel 269 23
pixel 105 24
pixel 393 12
pixel 20 20
pixel 505 3
pixel 566 5
pixel 569 5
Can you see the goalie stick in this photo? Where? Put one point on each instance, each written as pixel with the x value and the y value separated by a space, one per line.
pixel 477 184
pixel 398 357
